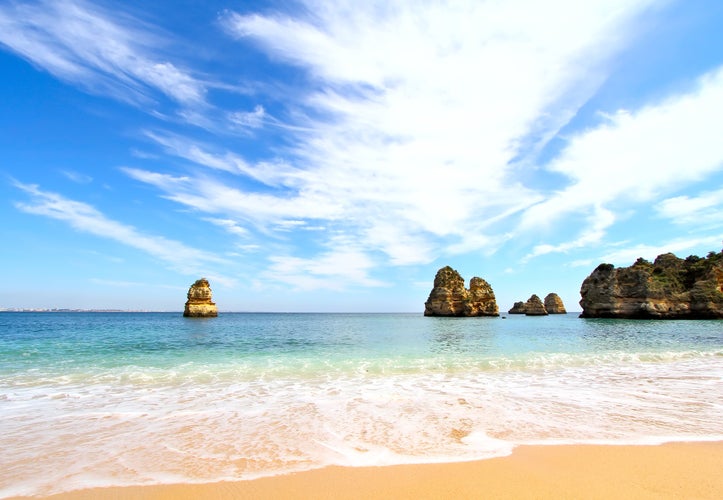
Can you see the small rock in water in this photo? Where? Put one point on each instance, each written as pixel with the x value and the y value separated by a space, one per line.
pixel 199 304
pixel 554 304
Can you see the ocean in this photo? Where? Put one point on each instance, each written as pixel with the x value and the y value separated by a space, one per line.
pixel 101 399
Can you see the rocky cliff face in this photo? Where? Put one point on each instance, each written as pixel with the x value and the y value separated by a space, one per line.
pixel 199 304
pixel 449 297
pixel 669 287
pixel 535 307
pixel 554 305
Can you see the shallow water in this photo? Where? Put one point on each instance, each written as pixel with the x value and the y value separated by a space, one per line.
pixel 95 399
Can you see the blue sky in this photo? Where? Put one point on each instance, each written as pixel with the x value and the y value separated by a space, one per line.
pixel 331 156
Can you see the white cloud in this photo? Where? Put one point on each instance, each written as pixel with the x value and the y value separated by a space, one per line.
pixel 342 264
pixel 413 117
pixel 381 42
pixel 163 181
pixel 207 195
pixel 270 174
pixel 336 269
pixel 703 210
pixel 249 119
pixel 408 124
pixel 678 246
pixel 88 219
pixel 106 52
pixel 634 156
pixel 231 226
pixel 598 223
pixel 249 248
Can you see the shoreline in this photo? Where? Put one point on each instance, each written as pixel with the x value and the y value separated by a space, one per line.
pixel 670 470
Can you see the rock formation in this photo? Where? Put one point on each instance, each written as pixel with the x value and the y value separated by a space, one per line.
pixel 554 305
pixel 670 287
pixel 199 304
pixel 449 297
pixel 534 306
pixel 517 308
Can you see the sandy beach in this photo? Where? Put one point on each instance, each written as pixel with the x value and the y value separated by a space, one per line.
pixel 674 470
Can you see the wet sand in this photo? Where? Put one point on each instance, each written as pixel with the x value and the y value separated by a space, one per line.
pixel 674 470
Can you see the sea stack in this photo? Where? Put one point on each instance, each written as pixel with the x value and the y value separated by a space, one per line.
pixel 554 305
pixel 517 308
pixel 449 297
pixel 667 288
pixel 199 304
pixel 535 307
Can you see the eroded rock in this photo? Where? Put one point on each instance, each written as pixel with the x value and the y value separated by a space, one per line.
pixel 449 297
pixel 669 287
pixel 517 308
pixel 535 307
pixel 554 305
pixel 199 303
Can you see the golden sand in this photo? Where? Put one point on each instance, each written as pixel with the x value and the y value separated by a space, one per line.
pixel 675 470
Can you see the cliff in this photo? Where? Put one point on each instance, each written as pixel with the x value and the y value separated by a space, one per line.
pixel 670 288
pixel 199 304
pixel 449 297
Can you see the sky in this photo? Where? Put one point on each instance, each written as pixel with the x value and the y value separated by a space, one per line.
pixel 331 156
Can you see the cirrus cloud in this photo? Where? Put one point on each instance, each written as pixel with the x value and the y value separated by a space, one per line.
pixel 88 219
pixel 103 52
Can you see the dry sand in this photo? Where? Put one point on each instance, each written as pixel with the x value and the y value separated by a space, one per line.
pixel 675 470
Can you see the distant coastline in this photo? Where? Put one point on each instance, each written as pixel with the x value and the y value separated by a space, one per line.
pixel 63 310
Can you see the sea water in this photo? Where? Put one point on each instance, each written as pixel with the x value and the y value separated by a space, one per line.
pixel 99 399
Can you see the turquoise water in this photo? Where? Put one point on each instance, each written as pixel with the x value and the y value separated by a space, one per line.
pixel 96 399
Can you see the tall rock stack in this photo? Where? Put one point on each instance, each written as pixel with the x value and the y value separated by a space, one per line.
pixel 554 305
pixel 481 299
pixel 449 297
pixel 535 307
pixel 199 304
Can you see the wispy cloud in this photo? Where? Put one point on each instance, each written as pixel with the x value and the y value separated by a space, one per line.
pixel 413 117
pixel 703 210
pixel 88 219
pixel 320 144
pixel 408 126
pixel 268 173
pixel 598 223
pixel 679 246
pixel 634 157
pixel 249 119
pixel 209 195
pixel 77 177
pixel 231 226
pixel 336 269
pixel 103 52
